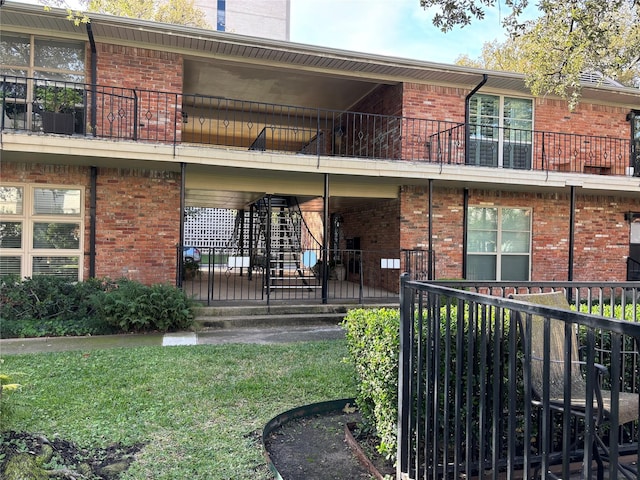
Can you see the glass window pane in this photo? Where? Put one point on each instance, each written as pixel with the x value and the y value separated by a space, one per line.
pixel 481 267
pixel 61 236
pixel 518 219
pixel 518 108
pixel 10 266
pixel 514 268
pixel 56 201
pixel 11 200
pixel 481 241
pixel 515 242
pixel 14 50
pixel 10 234
pixel 483 218
pixel 66 267
pixel 59 55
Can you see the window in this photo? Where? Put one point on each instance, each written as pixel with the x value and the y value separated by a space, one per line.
pixel 498 243
pixel 634 118
pixel 221 21
pixel 34 65
pixel 500 131
pixel 41 231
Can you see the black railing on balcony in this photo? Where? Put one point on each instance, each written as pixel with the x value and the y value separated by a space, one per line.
pixel 147 115
pixel 467 407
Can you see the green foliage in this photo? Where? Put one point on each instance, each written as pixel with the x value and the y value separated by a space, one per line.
pixel 134 307
pixel 51 306
pixel 179 12
pixel 373 341
pixel 58 99
pixel 568 39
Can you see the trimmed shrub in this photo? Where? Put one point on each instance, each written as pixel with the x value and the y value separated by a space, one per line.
pixel 51 306
pixel 134 307
pixel 373 341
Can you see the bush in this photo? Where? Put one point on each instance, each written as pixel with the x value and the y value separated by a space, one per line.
pixel 134 307
pixel 51 306
pixel 373 341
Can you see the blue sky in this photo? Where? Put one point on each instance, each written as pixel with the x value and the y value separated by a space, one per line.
pixel 399 28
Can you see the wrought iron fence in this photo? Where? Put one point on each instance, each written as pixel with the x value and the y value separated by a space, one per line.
pixel 228 275
pixel 467 405
pixel 166 117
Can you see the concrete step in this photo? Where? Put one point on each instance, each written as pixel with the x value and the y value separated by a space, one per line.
pixel 212 318
pixel 263 309
pixel 248 321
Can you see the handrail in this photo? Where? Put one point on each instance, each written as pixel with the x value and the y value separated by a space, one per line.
pixel 170 117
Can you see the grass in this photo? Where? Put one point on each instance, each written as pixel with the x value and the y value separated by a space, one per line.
pixel 200 409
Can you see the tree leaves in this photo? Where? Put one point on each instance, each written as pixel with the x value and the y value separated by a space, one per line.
pixel 568 39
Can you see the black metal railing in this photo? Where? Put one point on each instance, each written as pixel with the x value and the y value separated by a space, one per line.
pixel 467 407
pixel 166 117
pixel 227 275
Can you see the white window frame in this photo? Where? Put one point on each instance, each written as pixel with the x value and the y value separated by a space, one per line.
pixel 501 128
pixel 498 253
pixel 29 218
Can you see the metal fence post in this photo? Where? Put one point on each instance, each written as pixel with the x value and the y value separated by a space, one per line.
pixel 404 376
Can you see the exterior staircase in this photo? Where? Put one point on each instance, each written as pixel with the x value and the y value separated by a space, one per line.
pixel 280 224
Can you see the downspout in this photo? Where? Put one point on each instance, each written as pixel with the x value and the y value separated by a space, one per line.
pixel 92 222
pixel 179 253
pixel 94 79
pixel 572 228
pixel 467 117
pixel 465 214
pixel 430 264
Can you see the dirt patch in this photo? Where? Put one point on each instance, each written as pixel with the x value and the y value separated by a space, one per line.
pixel 27 456
pixel 314 448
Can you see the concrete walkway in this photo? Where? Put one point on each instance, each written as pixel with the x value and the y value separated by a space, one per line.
pixel 256 335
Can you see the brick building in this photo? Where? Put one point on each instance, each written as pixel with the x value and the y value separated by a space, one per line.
pixel 383 156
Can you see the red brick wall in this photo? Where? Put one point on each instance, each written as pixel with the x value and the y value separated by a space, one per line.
pixel 586 120
pixel 378 135
pixel 137 217
pixel 378 226
pixel 448 215
pixel 138 224
pixel 434 102
pixel 601 233
pixel 148 72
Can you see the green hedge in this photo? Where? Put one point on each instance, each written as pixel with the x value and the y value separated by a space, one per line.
pixel 373 341
pixel 52 306
pixel 373 344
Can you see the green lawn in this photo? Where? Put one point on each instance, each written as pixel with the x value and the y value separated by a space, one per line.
pixel 199 409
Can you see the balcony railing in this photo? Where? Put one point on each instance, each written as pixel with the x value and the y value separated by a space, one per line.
pixel 165 117
pixel 467 407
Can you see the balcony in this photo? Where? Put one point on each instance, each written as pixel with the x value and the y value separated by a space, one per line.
pixel 171 118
